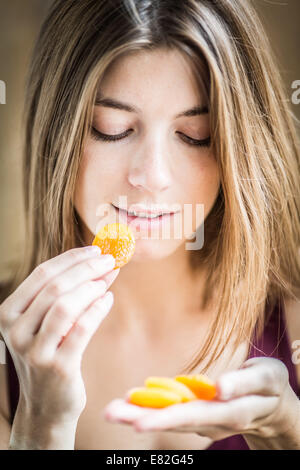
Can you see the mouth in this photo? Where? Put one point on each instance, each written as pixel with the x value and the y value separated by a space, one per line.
pixel 143 222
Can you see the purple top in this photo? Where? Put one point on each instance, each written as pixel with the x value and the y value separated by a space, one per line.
pixel 274 342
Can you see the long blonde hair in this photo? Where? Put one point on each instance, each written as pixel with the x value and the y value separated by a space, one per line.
pixel 252 233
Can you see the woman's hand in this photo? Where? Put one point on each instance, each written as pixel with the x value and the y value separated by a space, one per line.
pixel 47 324
pixel 255 400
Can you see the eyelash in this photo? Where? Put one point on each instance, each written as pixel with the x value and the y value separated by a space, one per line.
pixel 113 138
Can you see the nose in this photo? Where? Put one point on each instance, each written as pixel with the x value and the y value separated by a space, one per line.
pixel 150 168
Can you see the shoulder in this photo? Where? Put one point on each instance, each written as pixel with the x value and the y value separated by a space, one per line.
pixel 292 315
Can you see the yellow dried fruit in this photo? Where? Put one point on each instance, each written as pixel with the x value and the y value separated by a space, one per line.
pixel 172 385
pixel 116 240
pixel 203 387
pixel 153 397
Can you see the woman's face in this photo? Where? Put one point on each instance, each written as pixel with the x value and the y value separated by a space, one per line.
pixel 157 162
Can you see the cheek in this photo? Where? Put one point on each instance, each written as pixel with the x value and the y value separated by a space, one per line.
pixel 205 182
pixel 99 177
pixel 81 186
pixel 200 182
pixel 90 184
pixel 96 166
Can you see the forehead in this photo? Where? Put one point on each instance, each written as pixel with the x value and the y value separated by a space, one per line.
pixel 159 76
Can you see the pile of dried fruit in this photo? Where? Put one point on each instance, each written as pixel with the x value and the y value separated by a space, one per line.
pixel 159 392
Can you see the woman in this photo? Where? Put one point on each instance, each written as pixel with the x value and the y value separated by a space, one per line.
pixel 166 104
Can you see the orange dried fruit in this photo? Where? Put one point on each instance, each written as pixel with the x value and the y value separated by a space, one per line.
pixel 116 240
pixel 172 385
pixel 203 387
pixel 153 397
pixel 165 391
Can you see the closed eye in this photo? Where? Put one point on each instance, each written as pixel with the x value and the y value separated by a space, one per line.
pixel 113 138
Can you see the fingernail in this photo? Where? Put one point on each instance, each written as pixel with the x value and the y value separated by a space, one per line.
pixel 93 250
pixel 226 391
pixel 109 260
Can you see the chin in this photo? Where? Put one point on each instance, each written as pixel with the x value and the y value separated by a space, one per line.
pixel 154 249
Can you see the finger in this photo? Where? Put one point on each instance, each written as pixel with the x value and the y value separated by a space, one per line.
pixel 204 418
pixel 172 416
pixel 180 415
pixel 25 293
pixel 64 313
pixel 247 411
pixel 82 331
pixel 263 376
pixel 87 270
pixel 120 410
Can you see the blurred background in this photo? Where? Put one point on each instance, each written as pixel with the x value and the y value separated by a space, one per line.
pixel 20 21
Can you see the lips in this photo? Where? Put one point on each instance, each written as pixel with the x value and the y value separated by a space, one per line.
pixel 129 218
pixel 150 213
pixel 142 222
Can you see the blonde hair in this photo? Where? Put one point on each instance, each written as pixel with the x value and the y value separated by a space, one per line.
pixel 252 233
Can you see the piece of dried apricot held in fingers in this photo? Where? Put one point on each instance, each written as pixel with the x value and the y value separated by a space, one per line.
pixel 116 240
pixel 153 397
pixel 172 385
pixel 203 387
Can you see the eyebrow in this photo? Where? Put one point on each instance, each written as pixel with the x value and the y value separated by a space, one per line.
pixel 115 104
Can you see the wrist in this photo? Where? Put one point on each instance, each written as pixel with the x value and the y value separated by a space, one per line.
pixel 32 435
pixel 281 430
pixel 31 432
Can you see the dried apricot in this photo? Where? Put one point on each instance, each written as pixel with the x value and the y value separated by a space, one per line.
pixel 164 391
pixel 116 240
pixel 172 385
pixel 202 386
pixel 153 397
